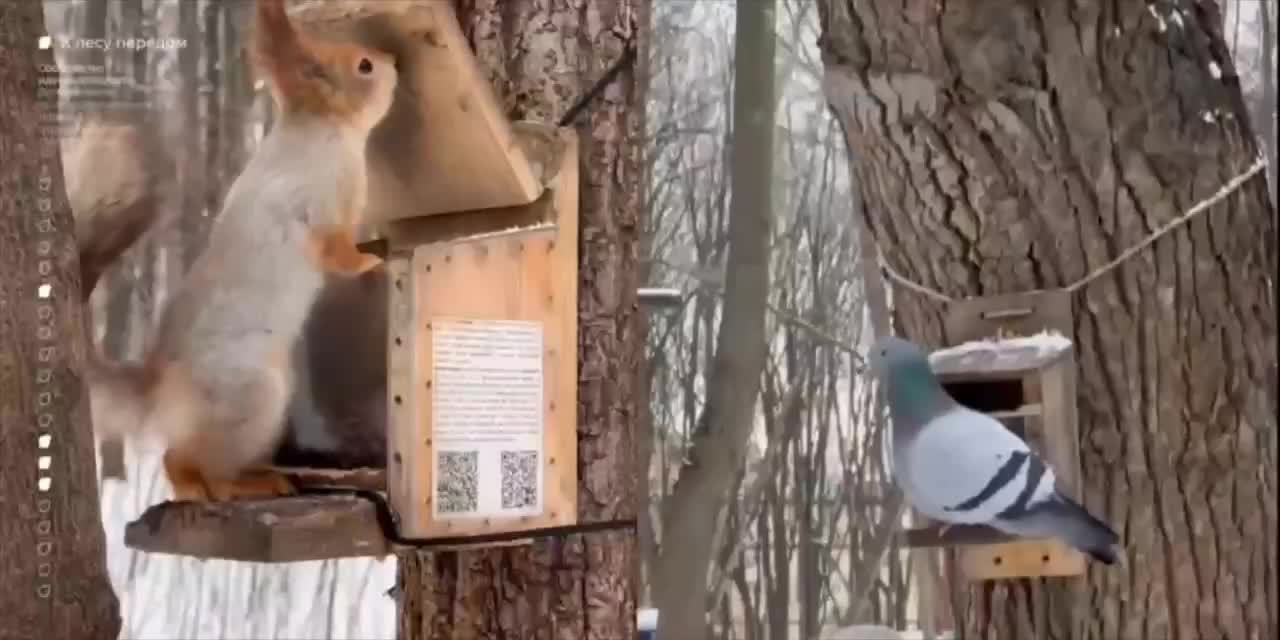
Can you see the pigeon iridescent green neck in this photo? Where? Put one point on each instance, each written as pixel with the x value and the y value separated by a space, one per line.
pixel 915 396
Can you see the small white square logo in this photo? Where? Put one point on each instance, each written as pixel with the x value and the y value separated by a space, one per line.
pixel 44 42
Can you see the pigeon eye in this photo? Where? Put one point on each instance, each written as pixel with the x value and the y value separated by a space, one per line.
pixel 365 67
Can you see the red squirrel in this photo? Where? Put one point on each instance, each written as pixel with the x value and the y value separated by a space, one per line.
pixel 217 379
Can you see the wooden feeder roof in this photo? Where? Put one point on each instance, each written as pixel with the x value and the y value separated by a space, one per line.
pixel 446 145
pixel 1000 358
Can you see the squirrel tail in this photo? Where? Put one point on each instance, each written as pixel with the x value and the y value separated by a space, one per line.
pixel 119 392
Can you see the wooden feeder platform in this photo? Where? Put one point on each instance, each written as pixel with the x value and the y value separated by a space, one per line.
pixel 292 529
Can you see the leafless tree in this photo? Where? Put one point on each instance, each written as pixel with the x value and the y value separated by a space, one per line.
pixel 804 538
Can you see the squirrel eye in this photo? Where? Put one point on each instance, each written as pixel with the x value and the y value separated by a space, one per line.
pixel 365 66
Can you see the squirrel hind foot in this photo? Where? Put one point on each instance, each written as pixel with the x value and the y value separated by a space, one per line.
pixel 252 484
pixel 188 483
pixel 191 485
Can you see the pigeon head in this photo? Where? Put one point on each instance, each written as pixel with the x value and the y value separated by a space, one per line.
pixel 914 394
pixel 892 355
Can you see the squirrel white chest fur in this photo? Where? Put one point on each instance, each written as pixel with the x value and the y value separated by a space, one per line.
pixel 298 182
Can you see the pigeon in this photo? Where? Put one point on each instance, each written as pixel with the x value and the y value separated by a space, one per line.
pixel 959 466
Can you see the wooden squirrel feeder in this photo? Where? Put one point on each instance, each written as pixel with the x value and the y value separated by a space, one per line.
pixel 477 219
pixel 1013 362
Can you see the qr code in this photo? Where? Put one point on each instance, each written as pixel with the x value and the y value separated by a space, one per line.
pixel 519 479
pixel 457 481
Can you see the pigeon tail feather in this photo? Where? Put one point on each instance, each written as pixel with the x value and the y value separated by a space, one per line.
pixel 1064 518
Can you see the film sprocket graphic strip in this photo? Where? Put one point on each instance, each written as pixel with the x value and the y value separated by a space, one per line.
pixel 46 351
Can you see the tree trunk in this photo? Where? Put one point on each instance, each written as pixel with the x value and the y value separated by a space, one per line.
pixel 691 513
pixel 1267 124
pixel 541 56
pixel 53 556
pixel 1005 147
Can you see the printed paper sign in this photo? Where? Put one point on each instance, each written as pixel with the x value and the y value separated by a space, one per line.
pixel 487 418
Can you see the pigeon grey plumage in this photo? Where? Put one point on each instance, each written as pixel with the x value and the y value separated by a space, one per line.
pixel 959 466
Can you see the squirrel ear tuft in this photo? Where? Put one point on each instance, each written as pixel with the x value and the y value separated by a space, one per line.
pixel 272 29
pixel 276 44
pixel 279 52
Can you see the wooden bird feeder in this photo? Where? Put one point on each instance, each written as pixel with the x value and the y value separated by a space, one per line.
pixel 477 219
pixel 1013 362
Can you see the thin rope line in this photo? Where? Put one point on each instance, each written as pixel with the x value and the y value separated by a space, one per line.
pixel 786 317
pixel 1222 193
pixel 914 286
pixel 1227 189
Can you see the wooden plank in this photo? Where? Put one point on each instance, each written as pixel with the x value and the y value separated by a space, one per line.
pixel 957 535
pixel 404 235
pixel 404 444
pixel 988 360
pixel 366 479
pixel 516 268
pixel 544 148
pixel 528 275
pixel 1021 559
pixel 446 145
pixel 1025 411
pixel 562 438
pixel 1061 426
pixel 1014 314
pixel 1003 316
pixel 289 529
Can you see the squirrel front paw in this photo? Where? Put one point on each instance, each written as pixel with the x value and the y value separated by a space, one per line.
pixel 334 251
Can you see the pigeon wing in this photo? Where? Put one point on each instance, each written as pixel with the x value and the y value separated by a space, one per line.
pixel 966 468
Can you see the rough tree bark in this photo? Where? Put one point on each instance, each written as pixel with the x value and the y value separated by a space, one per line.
pixel 1006 147
pixel 692 512
pixel 1267 126
pixel 541 56
pixel 53 556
